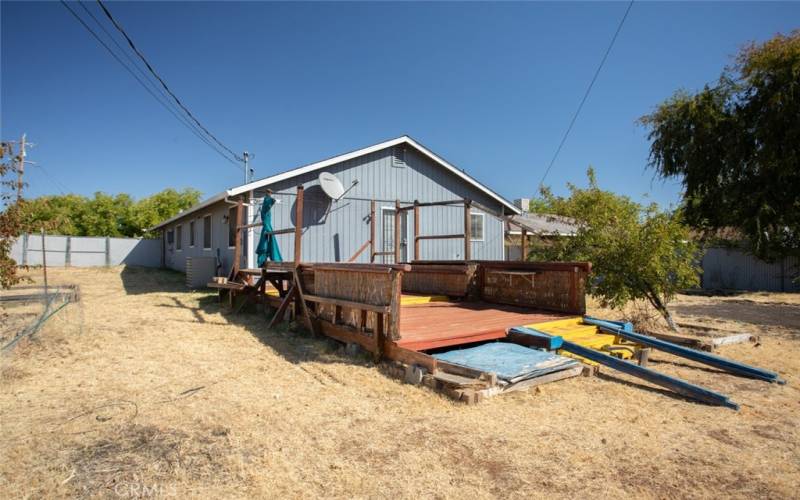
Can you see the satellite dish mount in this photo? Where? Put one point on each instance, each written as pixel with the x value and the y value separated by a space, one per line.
pixel 333 187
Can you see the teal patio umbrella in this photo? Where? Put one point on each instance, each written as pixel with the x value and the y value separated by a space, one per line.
pixel 267 248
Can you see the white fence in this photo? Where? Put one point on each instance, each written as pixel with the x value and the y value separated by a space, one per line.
pixel 86 251
pixel 733 269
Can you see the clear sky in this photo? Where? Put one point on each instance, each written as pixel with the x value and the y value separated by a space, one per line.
pixel 489 86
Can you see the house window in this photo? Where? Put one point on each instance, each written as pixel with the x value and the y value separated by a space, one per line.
pixel 170 237
pixel 232 223
pixel 191 234
pixel 476 226
pixel 207 232
pixel 178 237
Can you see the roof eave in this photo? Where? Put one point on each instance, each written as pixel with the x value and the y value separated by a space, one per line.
pixel 209 201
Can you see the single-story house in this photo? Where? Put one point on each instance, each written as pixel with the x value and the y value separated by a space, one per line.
pixel 400 169
pixel 541 227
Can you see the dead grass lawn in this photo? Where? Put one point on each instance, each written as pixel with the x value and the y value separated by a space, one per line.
pixel 151 390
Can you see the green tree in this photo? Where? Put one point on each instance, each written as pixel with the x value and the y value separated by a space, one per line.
pixel 104 214
pixel 637 252
pixel 10 218
pixel 58 213
pixel 151 210
pixel 735 146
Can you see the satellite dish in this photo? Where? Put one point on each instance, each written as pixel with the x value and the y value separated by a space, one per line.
pixel 331 185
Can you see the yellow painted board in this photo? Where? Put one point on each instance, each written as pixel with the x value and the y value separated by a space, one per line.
pixel 405 300
pixel 576 331
pixel 413 300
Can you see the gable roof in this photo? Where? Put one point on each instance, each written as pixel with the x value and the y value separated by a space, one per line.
pixel 267 181
pixel 542 224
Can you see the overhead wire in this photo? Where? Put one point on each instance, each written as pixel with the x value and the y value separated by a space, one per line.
pixel 586 94
pixel 58 184
pixel 163 98
pixel 162 82
pixel 144 86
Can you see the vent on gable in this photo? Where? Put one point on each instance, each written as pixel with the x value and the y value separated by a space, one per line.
pixel 399 156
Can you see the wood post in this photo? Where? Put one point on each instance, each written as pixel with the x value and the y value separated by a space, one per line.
pixel 416 230
pixel 44 260
pixel 379 336
pixel 281 312
pixel 25 249
pixel 237 240
pixel 394 314
pixel 108 251
pixel 298 226
pixel 397 231
pixel 300 297
pixel 524 255
pixel 467 230
pixel 372 231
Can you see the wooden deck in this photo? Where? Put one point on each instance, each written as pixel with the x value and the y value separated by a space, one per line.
pixel 442 324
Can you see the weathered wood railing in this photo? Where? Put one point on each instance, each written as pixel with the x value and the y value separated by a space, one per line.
pixel 433 278
pixel 554 286
pixel 357 303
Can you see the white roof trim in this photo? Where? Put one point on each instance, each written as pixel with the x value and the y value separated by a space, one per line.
pixel 210 201
pixel 365 151
pixel 339 159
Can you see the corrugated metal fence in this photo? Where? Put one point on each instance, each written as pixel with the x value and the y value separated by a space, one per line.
pixel 86 251
pixel 733 269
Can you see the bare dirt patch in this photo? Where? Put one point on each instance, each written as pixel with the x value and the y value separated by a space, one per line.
pixel 153 389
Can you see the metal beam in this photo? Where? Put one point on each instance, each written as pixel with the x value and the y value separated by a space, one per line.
pixel 685 352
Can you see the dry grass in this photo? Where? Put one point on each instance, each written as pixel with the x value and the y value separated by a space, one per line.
pixel 152 391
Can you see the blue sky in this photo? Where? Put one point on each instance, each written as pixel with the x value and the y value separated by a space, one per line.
pixel 489 86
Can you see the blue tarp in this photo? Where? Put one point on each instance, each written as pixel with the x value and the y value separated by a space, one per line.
pixel 511 362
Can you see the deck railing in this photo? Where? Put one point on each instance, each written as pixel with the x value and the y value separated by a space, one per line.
pixel 297 230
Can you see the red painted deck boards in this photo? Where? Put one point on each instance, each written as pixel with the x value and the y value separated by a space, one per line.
pixel 441 324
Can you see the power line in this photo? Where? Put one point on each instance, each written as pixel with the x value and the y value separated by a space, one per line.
pixel 144 86
pixel 165 101
pixel 161 80
pixel 58 184
pixel 586 95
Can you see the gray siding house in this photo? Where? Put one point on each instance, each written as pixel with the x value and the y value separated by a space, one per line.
pixel 398 169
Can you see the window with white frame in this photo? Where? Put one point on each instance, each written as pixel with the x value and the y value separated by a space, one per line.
pixel 207 232
pixel 179 238
pixel 476 221
pixel 170 237
pixel 191 234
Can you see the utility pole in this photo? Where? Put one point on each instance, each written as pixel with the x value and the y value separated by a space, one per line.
pixel 20 167
pixel 248 174
pixel 250 211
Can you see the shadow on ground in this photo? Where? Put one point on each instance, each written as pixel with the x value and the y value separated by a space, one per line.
pixel 290 339
pixel 747 311
pixel 138 280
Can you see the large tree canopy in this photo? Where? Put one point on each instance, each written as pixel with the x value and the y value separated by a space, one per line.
pixel 636 252
pixel 105 215
pixel 735 146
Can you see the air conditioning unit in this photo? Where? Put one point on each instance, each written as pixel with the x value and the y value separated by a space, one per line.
pixel 200 271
